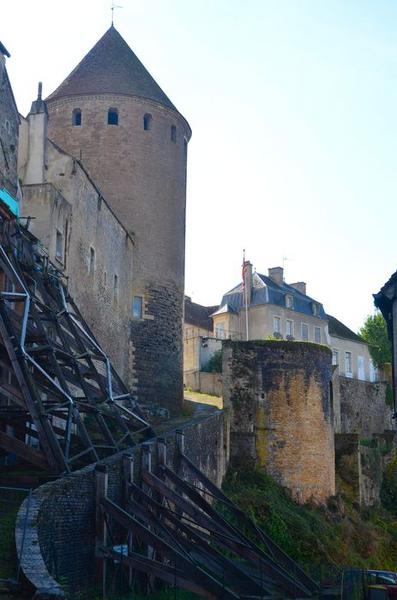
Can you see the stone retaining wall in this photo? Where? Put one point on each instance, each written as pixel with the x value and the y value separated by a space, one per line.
pixel 279 395
pixel 59 544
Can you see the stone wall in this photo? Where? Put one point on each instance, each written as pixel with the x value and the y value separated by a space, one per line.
pixel 63 520
pixel 279 394
pixel 206 383
pixel 363 407
pixel 360 465
pixel 71 206
pixel 142 174
pixel 9 124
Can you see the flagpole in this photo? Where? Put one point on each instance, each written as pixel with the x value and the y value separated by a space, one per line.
pixel 245 298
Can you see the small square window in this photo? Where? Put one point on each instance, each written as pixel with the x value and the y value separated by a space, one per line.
pixel 76 117
pixel 137 305
pixel 113 116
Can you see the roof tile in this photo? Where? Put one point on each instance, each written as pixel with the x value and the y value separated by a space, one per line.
pixel 111 67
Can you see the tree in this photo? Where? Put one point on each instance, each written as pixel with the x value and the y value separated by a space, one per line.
pixel 374 332
pixel 214 365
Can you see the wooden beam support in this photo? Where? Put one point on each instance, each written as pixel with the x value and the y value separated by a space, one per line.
pixel 35 457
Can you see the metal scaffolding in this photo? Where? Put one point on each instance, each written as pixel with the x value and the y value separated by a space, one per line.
pixel 62 405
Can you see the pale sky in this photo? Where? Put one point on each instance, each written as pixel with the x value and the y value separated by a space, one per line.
pixel 293 109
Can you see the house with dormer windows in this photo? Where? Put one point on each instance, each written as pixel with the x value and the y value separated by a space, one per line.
pixel 265 306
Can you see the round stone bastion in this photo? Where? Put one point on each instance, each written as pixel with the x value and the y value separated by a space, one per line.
pixel 281 413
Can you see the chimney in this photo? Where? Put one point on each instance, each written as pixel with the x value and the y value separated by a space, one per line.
pixel 247 270
pixel 300 286
pixel 3 53
pixel 37 141
pixel 277 274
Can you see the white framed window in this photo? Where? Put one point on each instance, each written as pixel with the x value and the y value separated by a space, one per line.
pixel 335 357
pixel 277 325
pixel 360 368
pixel 137 307
pixel 348 364
pixel 220 331
pixel 289 301
pixel 317 335
pixel 304 332
pixel 372 371
pixel 289 328
pixel 315 309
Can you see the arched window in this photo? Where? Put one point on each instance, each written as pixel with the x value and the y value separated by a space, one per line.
pixel 113 116
pixel 76 117
pixel 147 122
pixel 173 133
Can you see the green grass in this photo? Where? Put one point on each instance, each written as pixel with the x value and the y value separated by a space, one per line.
pixel 320 540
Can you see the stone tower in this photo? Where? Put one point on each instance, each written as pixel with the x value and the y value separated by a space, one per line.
pixel 111 114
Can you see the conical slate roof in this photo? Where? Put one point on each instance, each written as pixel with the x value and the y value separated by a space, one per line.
pixel 111 67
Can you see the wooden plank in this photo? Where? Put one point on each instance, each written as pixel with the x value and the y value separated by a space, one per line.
pixel 170 575
pixel 275 550
pixel 154 540
pixel 192 537
pixel 11 444
pixel 276 571
pixel 13 394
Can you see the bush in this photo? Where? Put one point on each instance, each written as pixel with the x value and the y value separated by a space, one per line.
pixel 214 365
pixel 388 493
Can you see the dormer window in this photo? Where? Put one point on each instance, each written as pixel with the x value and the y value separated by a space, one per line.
pixel 76 117
pixel 113 116
pixel 315 309
pixel 147 122
pixel 173 134
pixel 289 301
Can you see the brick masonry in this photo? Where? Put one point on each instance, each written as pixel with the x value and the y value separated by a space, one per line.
pixel 61 530
pixel 158 351
pixel 142 174
pixel 279 394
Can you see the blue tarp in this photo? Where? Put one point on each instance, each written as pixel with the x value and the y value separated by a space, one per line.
pixel 12 204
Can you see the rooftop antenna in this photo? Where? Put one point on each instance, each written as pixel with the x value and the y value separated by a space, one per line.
pixel 112 9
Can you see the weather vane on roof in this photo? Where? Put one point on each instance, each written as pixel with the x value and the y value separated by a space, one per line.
pixel 112 9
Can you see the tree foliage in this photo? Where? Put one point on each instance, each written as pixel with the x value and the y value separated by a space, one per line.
pixel 214 365
pixel 388 493
pixel 374 332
